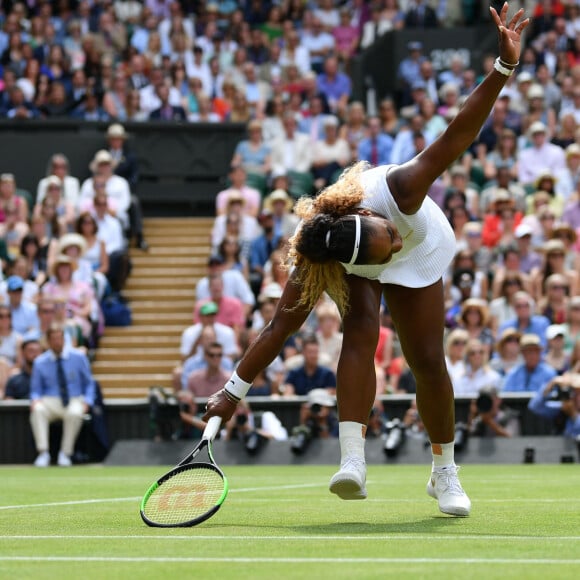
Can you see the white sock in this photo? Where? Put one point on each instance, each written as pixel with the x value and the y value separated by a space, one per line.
pixel 352 439
pixel 237 386
pixel 443 454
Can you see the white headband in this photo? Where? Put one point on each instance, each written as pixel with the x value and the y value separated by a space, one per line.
pixel 328 239
pixel 356 240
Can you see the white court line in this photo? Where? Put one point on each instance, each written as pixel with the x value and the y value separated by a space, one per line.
pixel 405 537
pixel 187 560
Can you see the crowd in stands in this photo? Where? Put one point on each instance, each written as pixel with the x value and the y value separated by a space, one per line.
pixel 283 68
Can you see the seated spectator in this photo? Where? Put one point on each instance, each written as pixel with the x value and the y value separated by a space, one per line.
pixel 525 321
pixel 275 270
pixel 166 111
pixel 488 417
pixel 116 188
pixel 35 256
pixel 24 313
pixel 90 109
pixel 559 399
pixel 95 252
pixel 477 374
pixel 312 123
pixel 568 237
pixel 9 198
pixel 261 249
pixel 329 155
pixel 61 388
pixel 59 166
pixel 554 303
pixel 20 107
pixel 110 231
pixel 508 267
pixel 253 154
pixel 310 375
pixel 205 112
pixel 528 258
pixel 346 38
pixel 21 269
pixel 554 263
pixel 238 186
pixel 281 204
pixel 202 383
pixel 377 147
pixel 235 284
pixel 191 336
pixel 18 385
pixel 455 345
pixel 78 296
pixel 507 352
pixel 555 355
pixel 65 211
pixel 532 374
pixel 473 318
pixel 328 333
pixel 248 226
pixel 293 152
pixel 230 251
pixel 12 230
pixel 230 310
pixel 10 352
pixel 421 15
pixel 501 209
pixel 572 324
pixel 335 86
pixel 318 43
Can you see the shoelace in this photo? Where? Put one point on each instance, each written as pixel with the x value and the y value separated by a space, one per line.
pixel 449 481
pixel 352 464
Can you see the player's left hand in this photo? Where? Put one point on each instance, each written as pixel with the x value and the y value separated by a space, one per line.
pixel 509 33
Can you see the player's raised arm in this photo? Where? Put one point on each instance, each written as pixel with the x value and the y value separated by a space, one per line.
pixel 410 182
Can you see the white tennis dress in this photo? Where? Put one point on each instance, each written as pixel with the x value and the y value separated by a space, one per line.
pixel 428 240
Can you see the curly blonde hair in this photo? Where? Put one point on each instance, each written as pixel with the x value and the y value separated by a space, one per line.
pixel 320 270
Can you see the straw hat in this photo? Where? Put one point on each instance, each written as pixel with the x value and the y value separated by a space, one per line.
pixel 477 304
pixel 63 259
pixel 116 130
pixel 68 240
pixel 278 195
pixel 102 156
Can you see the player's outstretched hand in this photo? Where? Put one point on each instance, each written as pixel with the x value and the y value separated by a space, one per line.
pixel 509 33
pixel 218 405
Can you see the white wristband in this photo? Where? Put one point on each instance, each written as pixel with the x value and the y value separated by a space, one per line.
pixel 507 72
pixel 237 386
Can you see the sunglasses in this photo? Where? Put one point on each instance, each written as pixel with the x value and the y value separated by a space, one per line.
pixel 214 355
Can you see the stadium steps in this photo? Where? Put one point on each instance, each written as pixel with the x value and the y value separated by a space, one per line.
pixel 161 293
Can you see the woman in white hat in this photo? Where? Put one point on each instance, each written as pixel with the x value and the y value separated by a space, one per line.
pixel 65 211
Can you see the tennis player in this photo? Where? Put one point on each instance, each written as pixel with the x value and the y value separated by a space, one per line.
pixel 376 232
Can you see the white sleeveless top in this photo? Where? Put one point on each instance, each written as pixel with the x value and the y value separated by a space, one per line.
pixel 428 240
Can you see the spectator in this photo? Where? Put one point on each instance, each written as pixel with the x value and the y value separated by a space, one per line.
pixel 501 307
pixel 59 166
pixel 539 156
pixel 554 263
pixel 24 313
pixel 525 321
pixel 507 352
pixel 376 27
pixel 309 376
pixel 230 251
pixel 473 319
pixel 202 383
pixel 280 204
pixel 421 15
pixel 409 68
pixel 35 255
pixel 90 109
pixel 10 198
pixel 335 86
pixel 116 187
pixel 293 152
pixel 261 248
pixel 253 154
pixel 529 259
pixel 346 37
pixel 65 211
pixel 124 160
pixel 21 269
pixel 532 374
pixel 478 374
pixel 377 147
pixel 235 284
pixel 248 225
pixel 553 304
pixel 319 44
pixel 488 417
pixel 559 400
pixel 455 345
pixel 556 357
pixel 569 176
pixel 313 122
pixel 572 324
pixel 238 186
pixel 61 388
pixel 328 333
pixel 10 352
pixel 329 155
pixel 166 111
pixel 18 385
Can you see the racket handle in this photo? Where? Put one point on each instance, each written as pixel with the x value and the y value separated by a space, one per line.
pixel 213 426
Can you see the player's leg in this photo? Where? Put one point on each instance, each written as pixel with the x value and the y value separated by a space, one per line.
pixel 418 315
pixel 356 385
pixel 72 422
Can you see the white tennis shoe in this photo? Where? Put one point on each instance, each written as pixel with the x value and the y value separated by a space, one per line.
pixel 350 481
pixel 63 459
pixel 43 459
pixel 444 486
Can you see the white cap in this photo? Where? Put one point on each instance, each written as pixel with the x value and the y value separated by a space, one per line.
pixel 555 330
pixel 523 230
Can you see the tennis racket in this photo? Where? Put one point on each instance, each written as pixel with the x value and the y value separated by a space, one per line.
pixel 191 492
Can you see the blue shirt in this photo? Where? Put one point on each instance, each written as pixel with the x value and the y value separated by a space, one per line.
pixel 384 148
pixel 537 325
pixel 260 250
pixel 77 369
pixel 25 318
pixel 551 409
pixel 322 378
pixel 520 380
pixel 335 88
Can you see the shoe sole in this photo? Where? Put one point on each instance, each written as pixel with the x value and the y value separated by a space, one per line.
pixel 459 512
pixel 347 489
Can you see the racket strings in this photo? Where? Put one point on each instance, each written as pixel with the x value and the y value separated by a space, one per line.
pixel 185 496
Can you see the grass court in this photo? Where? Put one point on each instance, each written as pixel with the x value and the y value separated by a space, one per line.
pixel 282 523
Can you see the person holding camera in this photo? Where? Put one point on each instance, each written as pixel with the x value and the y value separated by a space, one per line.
pixel 318 420
pixel 559 400
pixel 488 417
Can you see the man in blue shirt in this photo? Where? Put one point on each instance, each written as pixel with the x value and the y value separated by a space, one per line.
pixel 61 388
pixel 560 397
pixel 334 85
pixel 309 376
pixel 532 375
pixel 377 147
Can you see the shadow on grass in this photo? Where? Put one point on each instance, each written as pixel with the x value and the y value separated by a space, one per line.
pixel 428 525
